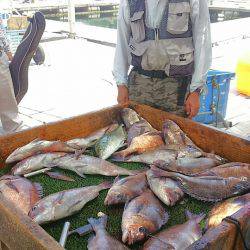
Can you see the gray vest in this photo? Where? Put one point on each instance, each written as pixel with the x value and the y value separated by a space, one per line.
pixel 169 47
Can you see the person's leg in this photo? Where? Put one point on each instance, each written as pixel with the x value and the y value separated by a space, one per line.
pixel 170 94
pixel 140 89
pixel 8 105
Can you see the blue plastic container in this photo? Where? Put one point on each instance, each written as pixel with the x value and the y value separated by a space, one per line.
pixel 213 104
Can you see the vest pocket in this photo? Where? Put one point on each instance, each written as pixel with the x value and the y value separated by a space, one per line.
pixel 138 27
pixel 178 18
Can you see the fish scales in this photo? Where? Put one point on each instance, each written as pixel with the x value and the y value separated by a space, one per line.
pixel 166 189
pixel 110 142
pixel 123 190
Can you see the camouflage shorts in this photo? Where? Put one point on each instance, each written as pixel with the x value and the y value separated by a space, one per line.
pixel 167 94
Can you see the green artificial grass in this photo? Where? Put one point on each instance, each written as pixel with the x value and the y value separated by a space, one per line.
pixel 75 242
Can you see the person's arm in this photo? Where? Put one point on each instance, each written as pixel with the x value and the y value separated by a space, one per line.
pixel 10 56
pixel 202 53
pixel 121 64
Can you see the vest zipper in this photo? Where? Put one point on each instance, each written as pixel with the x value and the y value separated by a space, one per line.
pixel 156 34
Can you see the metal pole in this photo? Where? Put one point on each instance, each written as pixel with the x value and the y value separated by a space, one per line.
pixel 71 18
pixel 64 234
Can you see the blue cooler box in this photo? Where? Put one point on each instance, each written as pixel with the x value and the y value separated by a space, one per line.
pixel 213 103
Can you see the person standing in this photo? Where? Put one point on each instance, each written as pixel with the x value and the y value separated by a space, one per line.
pixel 168 44
pixel 8 106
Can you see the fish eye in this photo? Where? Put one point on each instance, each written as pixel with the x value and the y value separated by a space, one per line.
pixel 143 230
pixel 34 208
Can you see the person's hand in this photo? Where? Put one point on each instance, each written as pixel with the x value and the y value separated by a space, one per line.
pixel 10 56
pixel 192 104
pixel 122 97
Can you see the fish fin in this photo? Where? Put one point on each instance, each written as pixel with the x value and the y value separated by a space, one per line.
pixel 243 186
pixel 126 204
pixel 12 186
pixel 211 177
pixel 59 176
pixel 105 185
pixel 79 173
pixel 36 140
pixel 99 222
pixel 59 198
pixel 118 158
pixel 186 190
pixel 91 238
pixel 159 172
pixel 197 217
pixel 160 163
pixel 122 154
pixel 165 218
pixel 39 189
pixel 117 178
pixel 79 152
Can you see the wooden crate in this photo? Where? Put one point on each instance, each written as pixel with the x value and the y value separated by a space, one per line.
pixel 18 231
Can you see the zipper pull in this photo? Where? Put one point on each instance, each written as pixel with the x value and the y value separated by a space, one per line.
pixel 156 34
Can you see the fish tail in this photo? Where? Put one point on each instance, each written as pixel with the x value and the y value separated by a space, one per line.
pixel 100 222
pixel 39 189
pixel 197 217
pixel 105 185
pixel 121 154
pixel 118 158
pixel 138 171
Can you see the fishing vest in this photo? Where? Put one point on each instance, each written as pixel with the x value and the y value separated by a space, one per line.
pixel 168 48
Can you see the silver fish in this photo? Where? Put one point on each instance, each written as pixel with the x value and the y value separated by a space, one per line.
pixel 177 237
pixel 191 166
pixel 142 214
pixel 102 239
pixel 110 142
pixel 65 203
pixel 35 162
pixel 123 190
pixel 86 164
pixel 226 208
pixel 166 189
pixel 207 188
pixel 158 157
pixel 90 140
pixel 37 147
pixel 129 117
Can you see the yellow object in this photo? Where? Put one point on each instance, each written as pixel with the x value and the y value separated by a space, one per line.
pixel 243 74
pixel 18 23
